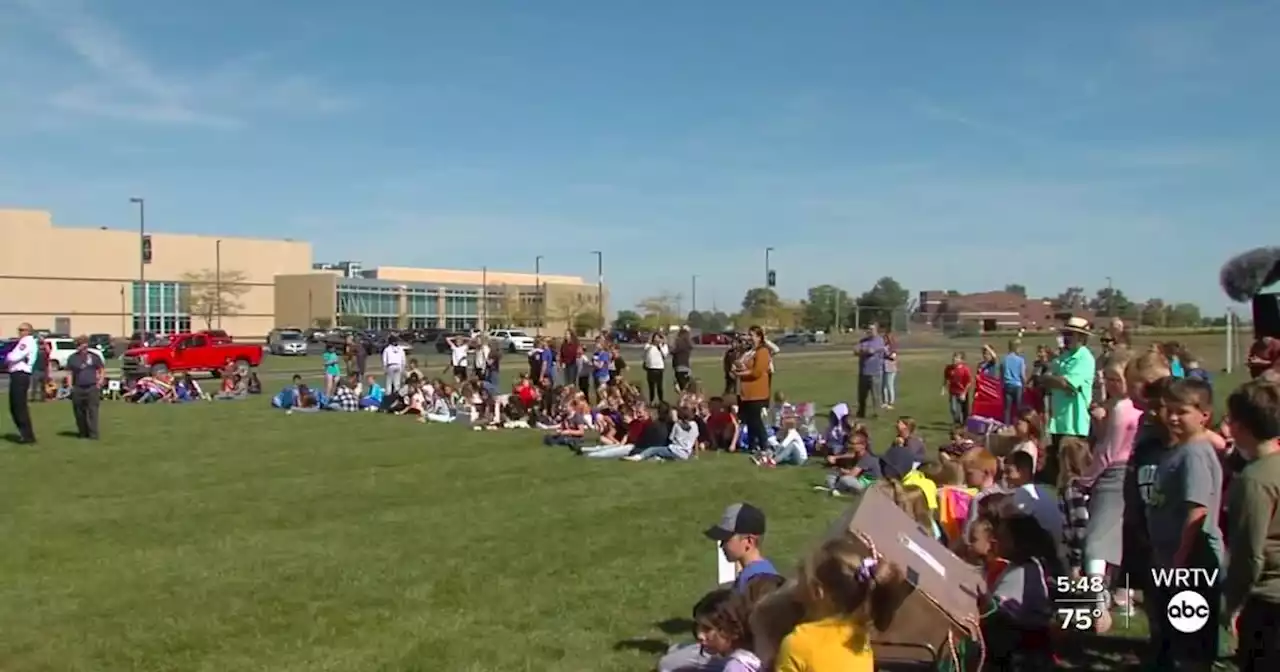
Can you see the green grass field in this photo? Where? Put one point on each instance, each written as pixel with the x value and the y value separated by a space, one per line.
pixel 227 536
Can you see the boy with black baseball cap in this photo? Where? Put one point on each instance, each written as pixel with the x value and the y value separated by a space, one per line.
pixel 739 533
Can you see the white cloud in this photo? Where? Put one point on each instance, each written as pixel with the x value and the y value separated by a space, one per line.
pixel 112 79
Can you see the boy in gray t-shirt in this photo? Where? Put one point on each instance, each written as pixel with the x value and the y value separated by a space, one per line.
pixel 1182 520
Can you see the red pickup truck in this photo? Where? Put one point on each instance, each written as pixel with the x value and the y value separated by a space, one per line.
pixel 189 352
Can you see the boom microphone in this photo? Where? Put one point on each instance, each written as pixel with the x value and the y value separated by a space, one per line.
pixel 1245 275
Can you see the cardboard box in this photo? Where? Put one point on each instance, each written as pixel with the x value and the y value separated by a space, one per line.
pixel 943 599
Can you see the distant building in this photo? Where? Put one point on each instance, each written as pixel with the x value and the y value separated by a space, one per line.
pixel 82 280
pixel 990 311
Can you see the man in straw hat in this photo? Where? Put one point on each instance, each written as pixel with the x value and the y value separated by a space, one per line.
pixel 1070 386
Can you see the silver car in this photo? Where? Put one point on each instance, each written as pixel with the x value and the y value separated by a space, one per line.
pixel 286 342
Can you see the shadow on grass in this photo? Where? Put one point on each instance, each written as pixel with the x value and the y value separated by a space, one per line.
pixel 655 647
pixel 675 626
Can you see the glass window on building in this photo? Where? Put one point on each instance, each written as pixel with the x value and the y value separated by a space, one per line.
pixel 421 303
pixel 165 308
pixel 378 306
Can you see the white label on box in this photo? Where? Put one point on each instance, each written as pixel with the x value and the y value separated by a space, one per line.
pixel 726 572
pixel 924 555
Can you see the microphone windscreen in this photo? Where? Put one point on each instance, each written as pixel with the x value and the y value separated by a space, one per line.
pixel 1245 275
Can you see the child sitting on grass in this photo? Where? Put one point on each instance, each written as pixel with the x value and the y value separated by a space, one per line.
pixel 681 442
pixel 790 450
pixel 855 468
pixel 959 445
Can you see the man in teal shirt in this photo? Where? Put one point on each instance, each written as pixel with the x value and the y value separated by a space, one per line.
pixel 1070 386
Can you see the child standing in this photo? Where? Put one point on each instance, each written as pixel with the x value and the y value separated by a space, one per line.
pixel 846 595
pixel 957 379
pixel 1253 575
pixel 1027 431
pixel 1019 608
pixel 1181 517
pixel 1074 500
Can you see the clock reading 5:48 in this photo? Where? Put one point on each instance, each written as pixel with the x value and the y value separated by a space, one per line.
pixel 1085 586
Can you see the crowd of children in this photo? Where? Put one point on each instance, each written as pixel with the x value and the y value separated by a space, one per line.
pixel 1039 545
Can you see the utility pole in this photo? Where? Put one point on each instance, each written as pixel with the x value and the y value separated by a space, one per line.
pixel 217 277
pixel 600 287
pixel 1111 298
pixel 142 262
pixel 693 295
pixel 542 299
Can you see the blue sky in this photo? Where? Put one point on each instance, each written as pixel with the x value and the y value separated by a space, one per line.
pixel 950 145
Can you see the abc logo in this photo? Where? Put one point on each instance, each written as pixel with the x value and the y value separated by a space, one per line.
pixel 1188 612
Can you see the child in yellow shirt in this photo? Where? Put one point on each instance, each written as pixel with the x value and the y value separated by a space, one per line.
pixel 845 595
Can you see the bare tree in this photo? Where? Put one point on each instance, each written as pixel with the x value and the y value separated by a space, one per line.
pixel 212 295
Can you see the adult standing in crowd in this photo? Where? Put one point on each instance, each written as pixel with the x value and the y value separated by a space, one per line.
pixel 86 370
pixel 889 383
pixel 570 353
pixel 360 356
pixel 871 351
pixel 752 372
pixel 655 364
pixel 1070 386
pixel 21 359
pixel 1264 355
pixel 40 370
pixel 1013 376
pixel 393 361
pixel 680 356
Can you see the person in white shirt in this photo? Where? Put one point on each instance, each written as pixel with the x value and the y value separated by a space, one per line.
pixel 655 364
pixel 20 361
pixel 393 363
pixel 480 356
pixel 458 353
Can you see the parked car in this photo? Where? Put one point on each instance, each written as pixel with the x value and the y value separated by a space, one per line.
pixel 142 339
pixel 442 341
pixel 6 345
pixel 191 353
pixel 714 338
pixel 102 342
pixel 512 340
pixel 60 349
pixel 287 342
pixel 796 338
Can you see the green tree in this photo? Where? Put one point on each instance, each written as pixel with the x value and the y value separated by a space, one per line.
pixel 826 307
pixel 660 311
pixel 587 322
pixel 626 319
pixel 1014 288
pixel 1183 315
pixel 881 302
pixel 759 303
pixel 1071 299
pixel 1110 301
pixel 1153 314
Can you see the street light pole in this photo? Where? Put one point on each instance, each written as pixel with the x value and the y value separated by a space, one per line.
pixel 767 266
pixel 600 287
pixel 217 278
pixel 693 295
pixel 542 299
pixel 1111 298
pixel 142 261
pixel 484 298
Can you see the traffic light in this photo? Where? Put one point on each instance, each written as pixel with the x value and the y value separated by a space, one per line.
pixel 772 279
pixel 146 249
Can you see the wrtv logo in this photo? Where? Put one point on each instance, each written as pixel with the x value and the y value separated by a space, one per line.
pixel 1188 610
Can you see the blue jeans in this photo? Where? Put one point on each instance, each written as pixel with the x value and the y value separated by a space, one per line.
pixel 1012 403
pixel 889 388
pixel 605 452
pixel 665 452
pixel 790 454
pixel 959 409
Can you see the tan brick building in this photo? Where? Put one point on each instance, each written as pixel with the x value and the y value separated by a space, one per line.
pixel 86 280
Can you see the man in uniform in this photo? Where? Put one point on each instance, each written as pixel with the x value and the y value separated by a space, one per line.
pixel 20 361
pixel 86 370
